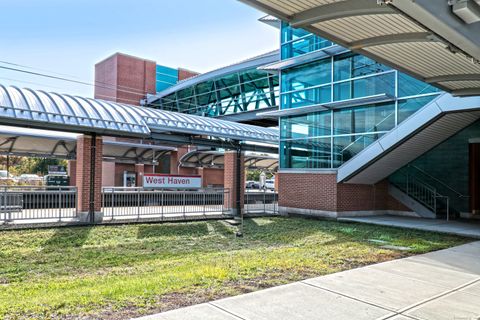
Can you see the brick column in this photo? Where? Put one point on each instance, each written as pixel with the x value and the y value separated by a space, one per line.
pixel 230 179
pixel 84 176
pixel 140 171
pixel 72 172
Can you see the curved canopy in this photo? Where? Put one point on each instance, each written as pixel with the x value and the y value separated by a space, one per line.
pixel 423 38
pixel 53 111
pixel 215 159
pixel 39 143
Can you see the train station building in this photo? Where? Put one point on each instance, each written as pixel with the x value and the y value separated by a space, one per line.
pixel 365 119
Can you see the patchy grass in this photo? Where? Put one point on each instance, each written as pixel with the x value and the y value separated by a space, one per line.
pixel 117 272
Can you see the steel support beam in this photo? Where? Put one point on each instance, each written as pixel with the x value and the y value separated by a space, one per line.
pixel 454 77
pixel 339 10
pixel 223 144
pixel 389 39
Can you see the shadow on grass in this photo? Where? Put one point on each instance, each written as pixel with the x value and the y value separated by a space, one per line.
pixel 172 230
pixel 67 238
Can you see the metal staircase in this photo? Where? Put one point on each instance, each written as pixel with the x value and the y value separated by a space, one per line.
pixel 423 193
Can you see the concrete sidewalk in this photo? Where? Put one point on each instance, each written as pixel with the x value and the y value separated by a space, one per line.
pixel 470 229
pixel 438 285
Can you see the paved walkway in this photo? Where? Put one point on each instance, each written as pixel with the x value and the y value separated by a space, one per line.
pixel 438 285
pixel 469 229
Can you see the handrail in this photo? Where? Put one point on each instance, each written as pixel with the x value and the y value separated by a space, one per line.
pixel 433 196
pixel 460 195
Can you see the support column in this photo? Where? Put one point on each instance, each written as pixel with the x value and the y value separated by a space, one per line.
pixel 139 171
pixel 72 173
pixel 89 177
pixel 234 168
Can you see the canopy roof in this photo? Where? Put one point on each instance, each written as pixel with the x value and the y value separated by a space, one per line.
pixel 423 38
pixel 53 111
pixel 39 143
pixel 215 159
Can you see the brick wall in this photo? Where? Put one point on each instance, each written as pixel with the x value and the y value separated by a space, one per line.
pixel 108 174
pixel 211 177
pixel 84 174
pixel 319 191
pixel 72 172
pixel 184 74
pixel 128 79
pixel 307 191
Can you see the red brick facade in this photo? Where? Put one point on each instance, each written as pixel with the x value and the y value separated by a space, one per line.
pixel 230 178
pixel 124 79
pixel 84 174
pixel 211 177
pixel 321 192
pixel 184 74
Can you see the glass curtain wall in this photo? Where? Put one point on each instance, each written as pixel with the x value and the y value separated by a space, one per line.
pixel 237 92
pixel 327 139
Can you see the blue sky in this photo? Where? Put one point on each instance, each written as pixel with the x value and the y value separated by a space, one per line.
pixel 68 37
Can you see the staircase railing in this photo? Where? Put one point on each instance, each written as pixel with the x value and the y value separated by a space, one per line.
pixel 422 192
pixel 431 177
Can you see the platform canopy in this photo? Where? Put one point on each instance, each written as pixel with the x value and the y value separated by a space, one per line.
pixel 423 38
pixel 215 159
pixel 62 145
pixel 53 111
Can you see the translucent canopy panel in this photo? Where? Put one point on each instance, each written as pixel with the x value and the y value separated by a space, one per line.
pixel 425 39
pixel 52 111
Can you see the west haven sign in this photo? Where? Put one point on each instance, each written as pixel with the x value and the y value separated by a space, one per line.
pixel 166 181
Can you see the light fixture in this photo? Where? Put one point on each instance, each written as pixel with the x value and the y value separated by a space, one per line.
pixel 467 10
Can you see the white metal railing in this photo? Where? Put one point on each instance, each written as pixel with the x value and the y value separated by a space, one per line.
pixel 139 203
pixel 37 203
pixel 261 202
pixel 424 193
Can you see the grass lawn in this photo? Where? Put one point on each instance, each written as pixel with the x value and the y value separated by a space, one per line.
pixel 117 272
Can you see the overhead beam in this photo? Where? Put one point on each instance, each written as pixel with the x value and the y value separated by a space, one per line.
pixel 180 140
pixel 394 38
pixel 469 92
pixel 454 77
pixel 338 10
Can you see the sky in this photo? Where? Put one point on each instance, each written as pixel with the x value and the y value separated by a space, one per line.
pixel 66 37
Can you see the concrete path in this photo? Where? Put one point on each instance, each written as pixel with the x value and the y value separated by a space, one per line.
pixel 469 229
pixel 438 285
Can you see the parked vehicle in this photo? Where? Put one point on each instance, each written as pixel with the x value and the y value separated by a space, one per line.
pixel 270 184
pixel 61 180
pixel 6 178
pixel 30 179
pixel 252 185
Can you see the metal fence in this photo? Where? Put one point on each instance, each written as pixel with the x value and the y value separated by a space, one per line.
pixel 261 202
pixel 138 203
pixel 37 203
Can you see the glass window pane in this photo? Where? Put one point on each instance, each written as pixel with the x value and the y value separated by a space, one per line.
pixel 310 125
pixel 408 86
pixel 309 75
pixel 345 148
pixel 408 107
pixel 306 153
pixel 372 118
pixel 384 83
pixel 352 65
